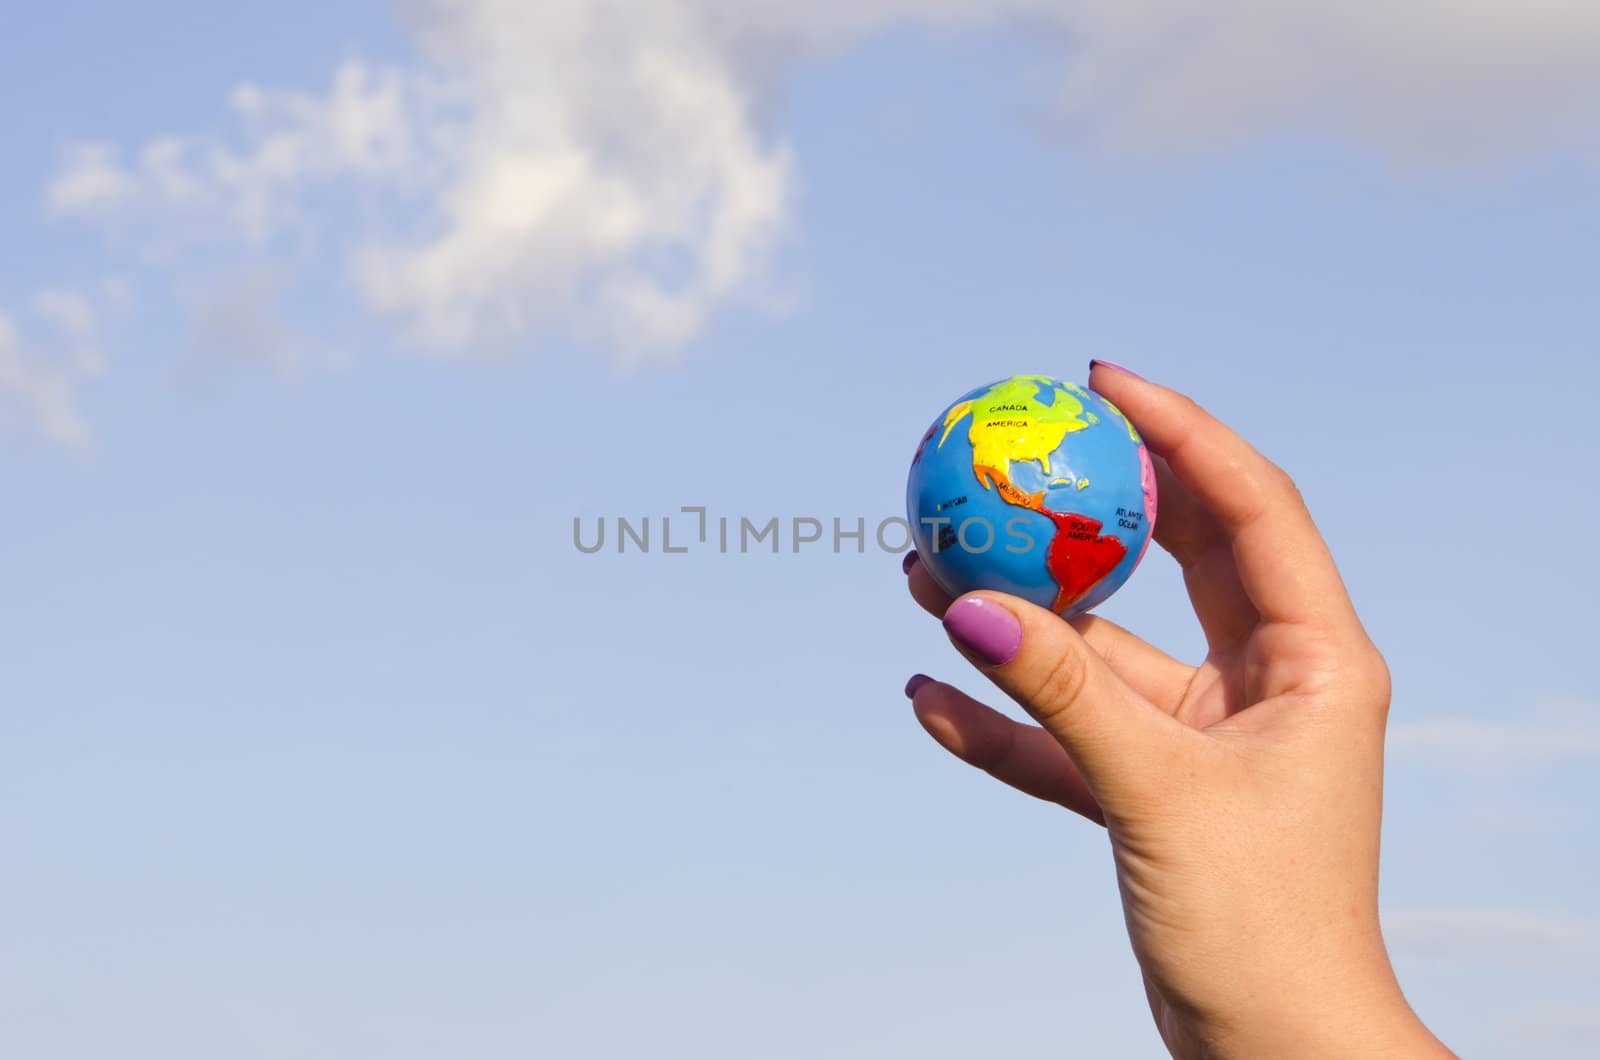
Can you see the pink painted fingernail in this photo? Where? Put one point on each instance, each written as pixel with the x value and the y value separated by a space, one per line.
pixel 909 562
pixel 916 682
pixel 986 629
pixel 1116 368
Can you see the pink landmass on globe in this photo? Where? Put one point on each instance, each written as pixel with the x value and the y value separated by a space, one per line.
pixel 1147 479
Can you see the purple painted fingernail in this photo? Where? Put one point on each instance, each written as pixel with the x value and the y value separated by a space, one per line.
pixel 916 682
pixel 909 562
pixel 1116 368
pixel 988 630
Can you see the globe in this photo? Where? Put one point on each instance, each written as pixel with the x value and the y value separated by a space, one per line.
pixel 1034 487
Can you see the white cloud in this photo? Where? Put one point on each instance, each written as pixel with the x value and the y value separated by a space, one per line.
pixel 1499 935
pixel 579 166
pixel 91 180
pixel 604 175
pixel 293 140
pixel 1429 78
pixel 72 318
pixel 599 166
pixel 39 382
pixel 1527 741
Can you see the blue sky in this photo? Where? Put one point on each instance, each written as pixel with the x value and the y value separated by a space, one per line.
pixel 319 737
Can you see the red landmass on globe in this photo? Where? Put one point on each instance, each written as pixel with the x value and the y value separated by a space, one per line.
pixel 1079 555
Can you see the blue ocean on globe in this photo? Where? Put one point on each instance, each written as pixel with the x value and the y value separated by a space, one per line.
pixel 1034 487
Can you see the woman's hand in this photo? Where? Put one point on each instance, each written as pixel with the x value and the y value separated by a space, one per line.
pixel 1242 796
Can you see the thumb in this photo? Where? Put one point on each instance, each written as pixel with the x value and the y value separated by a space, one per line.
pixel 1117 738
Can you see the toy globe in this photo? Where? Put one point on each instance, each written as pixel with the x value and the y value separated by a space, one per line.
pixel 1034 487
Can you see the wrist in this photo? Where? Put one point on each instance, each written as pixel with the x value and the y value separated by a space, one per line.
pixel 1372 1021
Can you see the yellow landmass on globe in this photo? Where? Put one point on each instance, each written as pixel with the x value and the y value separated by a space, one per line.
pixel 1010 424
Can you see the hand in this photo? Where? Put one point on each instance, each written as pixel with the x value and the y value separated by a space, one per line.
pixel 1242 796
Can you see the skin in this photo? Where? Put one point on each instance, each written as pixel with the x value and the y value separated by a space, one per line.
pixel 1242 796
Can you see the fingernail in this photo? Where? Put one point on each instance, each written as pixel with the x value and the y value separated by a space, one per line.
pixel 991 632
pixel 916 682
pixel 909 562
pixel 1116 368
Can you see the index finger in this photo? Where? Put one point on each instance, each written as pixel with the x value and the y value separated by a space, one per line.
pixel 1283 563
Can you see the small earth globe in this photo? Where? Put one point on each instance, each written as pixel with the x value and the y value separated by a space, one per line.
pixel 1033 487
